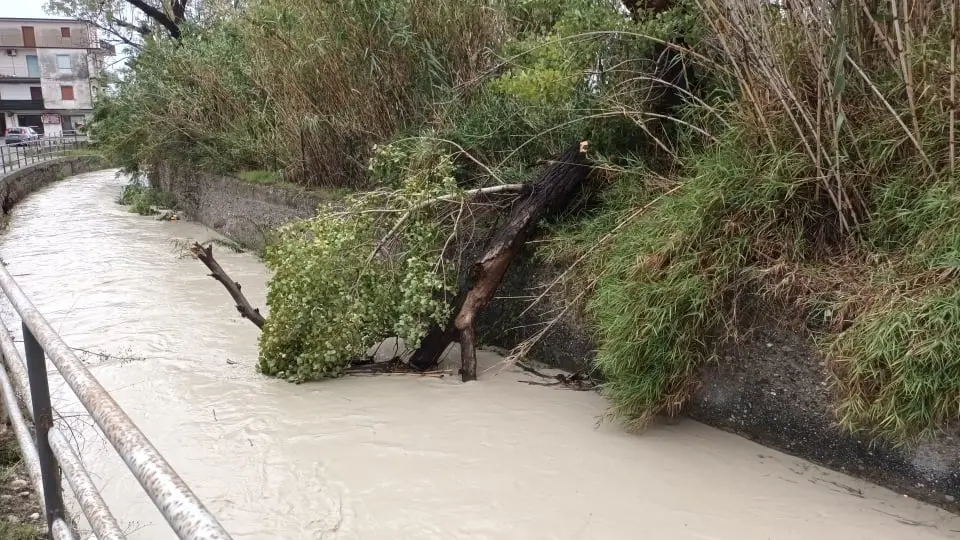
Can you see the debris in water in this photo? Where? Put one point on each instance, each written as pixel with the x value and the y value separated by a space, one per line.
pixel 394 366
pixel 577 381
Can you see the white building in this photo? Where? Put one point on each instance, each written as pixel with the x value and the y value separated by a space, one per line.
pixel 50 73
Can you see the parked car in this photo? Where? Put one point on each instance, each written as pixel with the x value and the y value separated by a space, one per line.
pixel 20 135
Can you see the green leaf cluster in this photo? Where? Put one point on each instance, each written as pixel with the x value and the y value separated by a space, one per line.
pixel 340 288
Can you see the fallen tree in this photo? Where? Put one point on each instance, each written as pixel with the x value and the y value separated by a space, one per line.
pixel 551 192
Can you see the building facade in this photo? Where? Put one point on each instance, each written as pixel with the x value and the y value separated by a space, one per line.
pixel 50 73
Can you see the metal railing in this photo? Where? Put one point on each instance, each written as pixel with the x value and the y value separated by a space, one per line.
pixel 47 453
pixel 15 71
pixel 14 156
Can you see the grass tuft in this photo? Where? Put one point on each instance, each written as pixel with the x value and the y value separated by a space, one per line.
pixel 261 177
pixel 898 367
pixel 13 506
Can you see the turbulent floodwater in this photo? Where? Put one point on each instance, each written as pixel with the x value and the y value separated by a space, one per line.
pixel 390 457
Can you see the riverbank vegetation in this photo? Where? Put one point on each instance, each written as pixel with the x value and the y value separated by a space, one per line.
pixel 19 510
pixel 145 200
pixel 803 153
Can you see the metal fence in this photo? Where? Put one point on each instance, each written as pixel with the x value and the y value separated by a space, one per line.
pixel 47 453
pixel 14 156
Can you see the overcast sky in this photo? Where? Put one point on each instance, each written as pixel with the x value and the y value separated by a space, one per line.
pixel 22 8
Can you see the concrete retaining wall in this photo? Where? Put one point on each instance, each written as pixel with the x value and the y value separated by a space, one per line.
pixel 770 387
pixel 16 185
pixel 242 211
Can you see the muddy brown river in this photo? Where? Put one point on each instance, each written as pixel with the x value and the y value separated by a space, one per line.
pixel 388 457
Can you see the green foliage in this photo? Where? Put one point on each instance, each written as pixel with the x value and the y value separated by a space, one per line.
pixel 307 89
pixel 331 298
pixel 547 76
pixel 189 102
pixel 84 152
pixel 920 221
pixel 799 154
pixel 665 279
pixel 295 85
pixel 898 366
pixel 759 210
pixel 548 91
pixel 261 177
pixel 9 456
pixel 145 200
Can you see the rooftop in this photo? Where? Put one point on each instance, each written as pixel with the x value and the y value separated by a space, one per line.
pixel 42 20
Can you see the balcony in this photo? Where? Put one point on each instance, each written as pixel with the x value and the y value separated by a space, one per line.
pixel 8 79
pixel 19 73
pixel 21 104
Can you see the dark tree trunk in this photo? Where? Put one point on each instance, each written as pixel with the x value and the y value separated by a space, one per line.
pixel 438 338
pixel 172 25
pixel 551 192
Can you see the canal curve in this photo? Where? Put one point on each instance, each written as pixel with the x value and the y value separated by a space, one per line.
pixel 386 457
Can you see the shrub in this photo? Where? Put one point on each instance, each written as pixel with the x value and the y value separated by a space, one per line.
pixel 665 279
pixel 333 296
pixel 898 366
pixel 145 200
pixel 304 86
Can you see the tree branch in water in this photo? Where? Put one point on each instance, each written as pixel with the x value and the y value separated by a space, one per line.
pixel 205 254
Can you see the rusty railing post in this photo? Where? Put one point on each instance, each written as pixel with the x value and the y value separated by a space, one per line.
pixel 43 421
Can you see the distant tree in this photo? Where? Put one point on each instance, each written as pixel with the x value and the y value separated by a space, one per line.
pixel 170 14
pixel 126 21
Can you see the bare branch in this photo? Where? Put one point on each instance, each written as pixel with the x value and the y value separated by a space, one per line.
pixel 503 188
pixel 141 29
pixel 205 254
